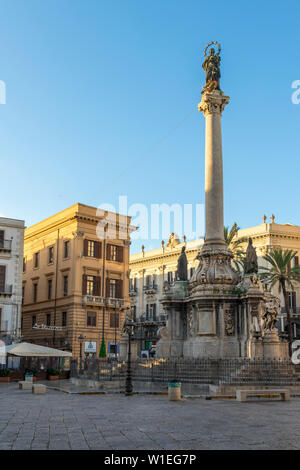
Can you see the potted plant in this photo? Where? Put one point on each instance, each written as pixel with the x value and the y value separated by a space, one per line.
pixel 53 374
pixel 32 372
pixel 4 375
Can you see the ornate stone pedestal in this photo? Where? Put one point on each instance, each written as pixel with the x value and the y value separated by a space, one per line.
pixel 273 347
pixel 123 353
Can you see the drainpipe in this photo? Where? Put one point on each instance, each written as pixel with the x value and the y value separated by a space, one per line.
pixel 55 291
pixel 103 284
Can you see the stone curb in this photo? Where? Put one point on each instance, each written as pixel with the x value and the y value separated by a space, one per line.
pixel 122 392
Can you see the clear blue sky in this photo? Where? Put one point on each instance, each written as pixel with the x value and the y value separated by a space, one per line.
pixel 94 86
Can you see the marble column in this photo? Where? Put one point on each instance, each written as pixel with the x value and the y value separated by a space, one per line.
pixel 212 105
pixel 215 257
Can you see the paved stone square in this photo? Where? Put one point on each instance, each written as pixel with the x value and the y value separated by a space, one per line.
pixel 115 422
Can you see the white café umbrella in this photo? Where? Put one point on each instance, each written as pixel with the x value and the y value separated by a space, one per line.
pixel 35 350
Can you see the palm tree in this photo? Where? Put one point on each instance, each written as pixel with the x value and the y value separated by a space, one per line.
pixel 235 245
pixel 282 273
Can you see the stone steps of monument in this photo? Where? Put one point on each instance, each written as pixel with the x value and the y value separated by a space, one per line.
pixel 254 373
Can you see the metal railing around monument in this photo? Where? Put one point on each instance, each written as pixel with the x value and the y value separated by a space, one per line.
pixel 193 371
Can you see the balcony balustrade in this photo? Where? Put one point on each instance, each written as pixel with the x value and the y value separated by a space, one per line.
pixel 6 289
pixel 133 292
pixel 112 302
pixel 151 288
pixel 5 246
pixel 92 300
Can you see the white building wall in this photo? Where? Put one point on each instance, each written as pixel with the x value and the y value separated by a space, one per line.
pixel 11 305
pixel 158 262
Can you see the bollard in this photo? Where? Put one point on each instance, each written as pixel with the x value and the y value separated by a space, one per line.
pixel 174 391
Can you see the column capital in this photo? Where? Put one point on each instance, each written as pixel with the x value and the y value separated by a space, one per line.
pixel 213 103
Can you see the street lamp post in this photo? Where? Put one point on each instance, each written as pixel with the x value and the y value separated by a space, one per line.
pixel 81 338
pixel 128 386
pixel 115 325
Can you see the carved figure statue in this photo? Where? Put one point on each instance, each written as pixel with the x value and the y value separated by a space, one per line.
pixel 191 322
pixel 229 323
pixel 182 266
pixel 251 259
pixel 173 240
pixel 271 313
pixel 211 65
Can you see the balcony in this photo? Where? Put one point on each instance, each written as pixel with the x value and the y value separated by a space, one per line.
pixel 92 300
pixel 154 320
pixel 5 246
pixel 293 311
pixel 150 289
pixel 6 290
pixel 133 292
pixel 112 302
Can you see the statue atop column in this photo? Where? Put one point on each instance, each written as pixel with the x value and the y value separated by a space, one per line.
pixel 251 265
pixel 211 65
pixel 182 266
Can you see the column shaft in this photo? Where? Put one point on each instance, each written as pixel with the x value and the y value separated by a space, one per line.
pixel 214 219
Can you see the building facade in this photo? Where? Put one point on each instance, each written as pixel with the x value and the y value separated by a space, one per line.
pixel 75 285
pixel 11 259
pixel 151 272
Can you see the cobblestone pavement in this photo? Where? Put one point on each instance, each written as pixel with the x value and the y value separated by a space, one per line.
pixel 114 422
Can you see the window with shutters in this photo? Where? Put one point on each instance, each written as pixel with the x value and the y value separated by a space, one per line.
pixel 90 285
pixel 66 249
pixel 133 284
pixel 133 312
pixel 1 238
pixel 91 318
pixel 91 248
pixel 192 270
pixel 35 292
pixel 113 253
pixel 120 289
pixel 23 294
pixel 151 312
pixel 64 319
pixel 48 319
pixel 49 289
pixel 150 282
pixel 51 254
pixel 296 261
pixel 2 278
pixel 292 301
pixel 171 277
pixel 24 265
pixel 113 288
pixel 114 320
pixel 113 348
pixel 36 259
pixel 154 312
pixel 33 320
pixel 65 286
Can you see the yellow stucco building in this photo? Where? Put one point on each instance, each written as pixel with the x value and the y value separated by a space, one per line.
pixel 75 284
